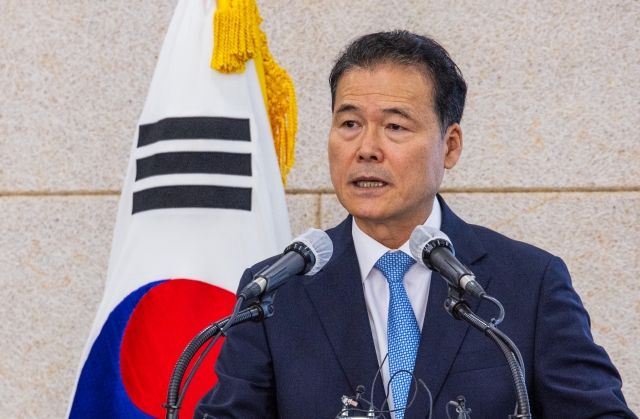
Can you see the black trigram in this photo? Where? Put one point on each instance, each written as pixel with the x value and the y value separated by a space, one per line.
pixel 193 196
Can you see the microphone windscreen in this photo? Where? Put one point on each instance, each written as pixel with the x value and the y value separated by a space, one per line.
pixel 321 246
pixel 420 237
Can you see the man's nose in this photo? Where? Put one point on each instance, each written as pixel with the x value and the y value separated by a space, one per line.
pixel 370 145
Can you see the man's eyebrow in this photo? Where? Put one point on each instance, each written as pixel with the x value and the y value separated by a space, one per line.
pixel 346 108
pixel 398 111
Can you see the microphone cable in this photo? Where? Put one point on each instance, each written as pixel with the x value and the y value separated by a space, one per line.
pixel 375 378
pixel 430 396
pixel 463 412
pixel 381 412
pixel 413 379
pixel 497 303
pixel 493 327
pixel 415 393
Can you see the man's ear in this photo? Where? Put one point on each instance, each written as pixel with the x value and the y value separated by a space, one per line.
pixel 452 145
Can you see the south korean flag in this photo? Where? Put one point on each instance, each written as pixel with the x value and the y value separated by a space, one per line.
pixel 202 201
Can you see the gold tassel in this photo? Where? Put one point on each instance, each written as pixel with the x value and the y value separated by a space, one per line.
pixel 237 39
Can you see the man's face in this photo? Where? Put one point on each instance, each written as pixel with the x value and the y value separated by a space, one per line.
pixel 386 152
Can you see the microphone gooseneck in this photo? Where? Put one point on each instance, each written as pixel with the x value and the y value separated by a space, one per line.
pixel 432 248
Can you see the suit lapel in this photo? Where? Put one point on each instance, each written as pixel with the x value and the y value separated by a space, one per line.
pixel 337 296
pixel 442 335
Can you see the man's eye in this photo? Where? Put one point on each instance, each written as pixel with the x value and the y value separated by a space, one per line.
pixel 395 127
pixel 349 124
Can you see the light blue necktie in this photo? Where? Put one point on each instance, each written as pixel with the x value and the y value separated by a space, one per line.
pixel 403 333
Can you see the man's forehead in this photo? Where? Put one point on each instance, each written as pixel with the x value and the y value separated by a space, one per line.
pixel 405 70
pixel 397 89
pixel 403 111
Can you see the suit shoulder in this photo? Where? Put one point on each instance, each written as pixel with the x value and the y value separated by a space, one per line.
pixel 510 249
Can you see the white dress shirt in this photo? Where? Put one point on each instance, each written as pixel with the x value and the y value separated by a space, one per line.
pixel 376 288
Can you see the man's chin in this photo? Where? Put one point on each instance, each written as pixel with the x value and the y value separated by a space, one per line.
pixel 370 216
pixel 388 215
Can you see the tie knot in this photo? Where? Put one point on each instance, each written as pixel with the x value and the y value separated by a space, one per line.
pixel 394 265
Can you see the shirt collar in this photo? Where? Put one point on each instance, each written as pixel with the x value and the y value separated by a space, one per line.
pixel 369 250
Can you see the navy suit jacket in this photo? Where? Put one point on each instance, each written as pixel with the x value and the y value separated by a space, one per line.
pixel 318 345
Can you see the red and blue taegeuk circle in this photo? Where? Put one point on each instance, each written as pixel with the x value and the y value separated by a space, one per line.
pixel 126 374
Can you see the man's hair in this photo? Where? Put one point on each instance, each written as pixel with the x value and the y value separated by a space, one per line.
pixel 408 49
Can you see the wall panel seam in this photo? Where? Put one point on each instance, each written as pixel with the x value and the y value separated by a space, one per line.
pixel 493 190
pixel 326 191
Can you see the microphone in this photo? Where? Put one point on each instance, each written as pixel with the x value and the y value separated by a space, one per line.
pixel 432 248
pixel 306 255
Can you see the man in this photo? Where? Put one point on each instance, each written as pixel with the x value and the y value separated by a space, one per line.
pixel 397 103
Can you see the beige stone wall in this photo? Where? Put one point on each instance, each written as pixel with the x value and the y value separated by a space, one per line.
pixel 552 155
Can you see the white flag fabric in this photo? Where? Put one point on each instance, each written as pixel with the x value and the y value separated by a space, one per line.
pixel 202 201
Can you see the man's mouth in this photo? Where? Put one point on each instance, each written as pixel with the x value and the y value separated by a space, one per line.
pixel 369 183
